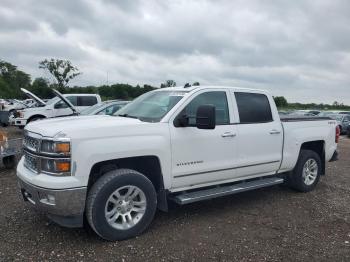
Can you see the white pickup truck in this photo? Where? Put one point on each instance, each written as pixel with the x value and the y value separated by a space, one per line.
pixel 55 107
pixel 172 144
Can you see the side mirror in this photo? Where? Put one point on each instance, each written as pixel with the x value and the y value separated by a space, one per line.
pixel 181 121
pixel 205 117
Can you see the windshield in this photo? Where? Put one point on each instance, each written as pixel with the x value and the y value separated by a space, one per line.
pixel 92 109
pixel 152 106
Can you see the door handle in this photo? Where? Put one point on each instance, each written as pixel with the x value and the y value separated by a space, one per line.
pixel 228 134
pixel 275 132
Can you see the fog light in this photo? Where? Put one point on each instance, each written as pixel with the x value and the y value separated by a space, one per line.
pixel 47 199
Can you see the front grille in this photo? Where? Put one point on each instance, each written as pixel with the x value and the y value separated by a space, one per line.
pixel 31 161
pixel 31 143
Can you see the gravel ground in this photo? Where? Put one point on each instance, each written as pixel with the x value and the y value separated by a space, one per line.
pixel 272 224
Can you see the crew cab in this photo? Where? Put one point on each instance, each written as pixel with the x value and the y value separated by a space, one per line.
pixel 55 107
pixel 170 145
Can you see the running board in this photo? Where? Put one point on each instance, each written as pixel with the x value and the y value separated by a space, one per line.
pixel 190 197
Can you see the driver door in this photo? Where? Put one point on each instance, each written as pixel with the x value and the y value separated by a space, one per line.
pixel 201 156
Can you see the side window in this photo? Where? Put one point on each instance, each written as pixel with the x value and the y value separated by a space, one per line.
pixel 215 98
pixel 73 100
pixel 253 108
pixel 110 110
pixel 61 105
pixel 87 100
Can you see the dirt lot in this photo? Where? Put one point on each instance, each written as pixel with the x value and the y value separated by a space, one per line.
pixel 273 224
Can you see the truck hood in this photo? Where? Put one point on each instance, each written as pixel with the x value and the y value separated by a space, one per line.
pixel 31 95
pixel 80 126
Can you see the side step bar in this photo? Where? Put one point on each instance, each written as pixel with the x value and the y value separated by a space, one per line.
pixel 194 196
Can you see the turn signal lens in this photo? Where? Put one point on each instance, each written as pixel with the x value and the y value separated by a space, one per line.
pixel 62 166
pixel 62 147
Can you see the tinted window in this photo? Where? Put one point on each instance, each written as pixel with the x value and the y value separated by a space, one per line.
pixel 215 98
pixel 61 104
pixel 253 108
pixel 73 100
pixel 87 100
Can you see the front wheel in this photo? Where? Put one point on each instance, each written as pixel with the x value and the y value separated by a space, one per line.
pixel 121 204
pixel 307 171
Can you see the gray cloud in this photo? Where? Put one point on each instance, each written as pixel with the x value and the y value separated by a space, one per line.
pixel 300 49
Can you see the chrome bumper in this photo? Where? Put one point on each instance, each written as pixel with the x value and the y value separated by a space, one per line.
pixel 65 207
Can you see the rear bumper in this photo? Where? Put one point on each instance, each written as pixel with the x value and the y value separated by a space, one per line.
pixel 65 206
pixel 19 122
pixel 334 157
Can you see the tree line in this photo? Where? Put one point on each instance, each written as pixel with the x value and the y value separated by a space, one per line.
pixel 12 80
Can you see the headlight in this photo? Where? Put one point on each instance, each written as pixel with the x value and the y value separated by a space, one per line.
pixel 55 147
pixel 55 166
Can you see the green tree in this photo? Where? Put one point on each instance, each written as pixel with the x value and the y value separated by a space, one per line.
pixel 196 84
pixel 12 80
pixel 281 101
pixel 168 83
pixel 41 88
pixel 62 70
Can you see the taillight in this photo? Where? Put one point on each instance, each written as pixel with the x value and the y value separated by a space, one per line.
pixel 337 134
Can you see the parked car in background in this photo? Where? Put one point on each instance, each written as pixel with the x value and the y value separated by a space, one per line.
pixel 343 121
pixel 55 107
pixel 314 112
pixel 344 112
pixel 297 113
pixel 104 108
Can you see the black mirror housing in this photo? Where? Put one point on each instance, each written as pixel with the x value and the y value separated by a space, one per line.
pixel 206 117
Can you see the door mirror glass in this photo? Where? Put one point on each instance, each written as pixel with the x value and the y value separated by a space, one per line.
pixel 206 117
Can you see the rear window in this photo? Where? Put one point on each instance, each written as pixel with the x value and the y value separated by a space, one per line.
pixel 253 108
pixel 87 100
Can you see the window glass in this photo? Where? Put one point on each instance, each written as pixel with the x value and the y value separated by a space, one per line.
pixel 110 110
pixel 253 108
pixel 215 98
pixel 60 104
pixel 87 100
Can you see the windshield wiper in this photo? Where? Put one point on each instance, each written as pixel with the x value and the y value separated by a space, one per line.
pixel 126 115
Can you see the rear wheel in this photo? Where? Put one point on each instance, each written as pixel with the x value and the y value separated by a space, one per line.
pixel 121 204
pixel 307 171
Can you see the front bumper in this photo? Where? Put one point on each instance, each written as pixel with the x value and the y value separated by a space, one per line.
pixel 19 122
pixel 65 206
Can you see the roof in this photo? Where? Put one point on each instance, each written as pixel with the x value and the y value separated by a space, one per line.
pixel 191 88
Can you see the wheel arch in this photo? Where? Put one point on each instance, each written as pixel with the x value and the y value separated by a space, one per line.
pixel 34 116
pixel 149 166
pixel 318 146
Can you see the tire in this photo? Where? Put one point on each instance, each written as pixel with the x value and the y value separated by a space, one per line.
pixel 9 162
pixel 297 179
pixel 102 199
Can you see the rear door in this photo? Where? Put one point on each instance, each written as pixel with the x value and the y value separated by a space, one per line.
pixel 259 134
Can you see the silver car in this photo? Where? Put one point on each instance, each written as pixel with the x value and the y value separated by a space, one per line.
pixel 104 108
pixel 343 121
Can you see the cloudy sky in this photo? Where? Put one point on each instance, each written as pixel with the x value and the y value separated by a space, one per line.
pixel 299 49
